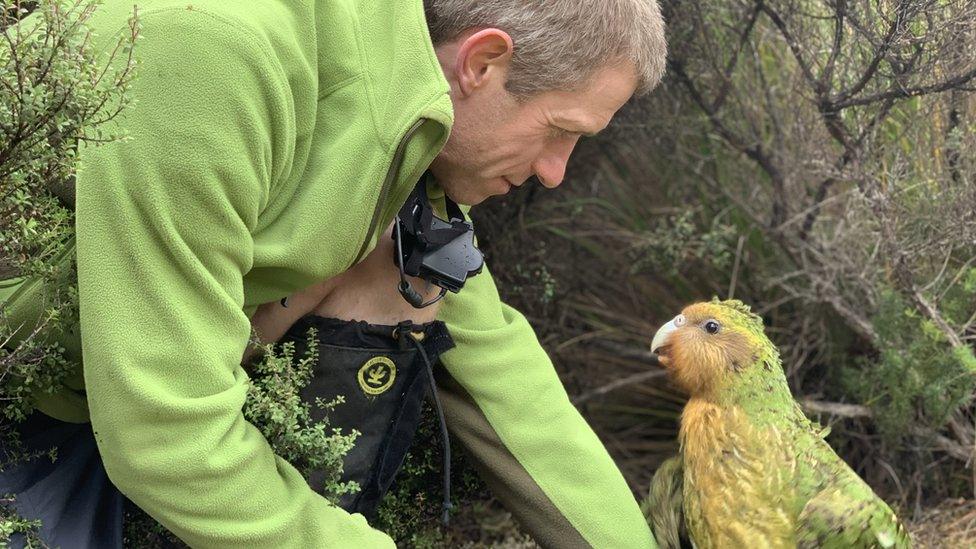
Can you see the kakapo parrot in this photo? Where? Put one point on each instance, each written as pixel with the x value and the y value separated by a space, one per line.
pixel 752 470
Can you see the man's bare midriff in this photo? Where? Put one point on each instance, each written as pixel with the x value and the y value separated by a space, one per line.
pixel 367 291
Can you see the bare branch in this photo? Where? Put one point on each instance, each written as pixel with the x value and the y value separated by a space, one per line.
pixel 880 53
pixel 839 409
pixel 617 384
pixel 902 93
pixel 754 151
pixel 839 15
pixel 857 411
pixel 933 313
pixel 734 58
pixel 794 46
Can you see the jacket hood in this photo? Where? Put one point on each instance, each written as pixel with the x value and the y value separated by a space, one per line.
pixel 391 49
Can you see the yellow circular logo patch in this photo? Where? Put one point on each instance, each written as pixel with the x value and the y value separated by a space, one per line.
pixel 377 375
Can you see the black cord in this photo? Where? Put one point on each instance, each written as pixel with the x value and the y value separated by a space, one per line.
pixel 412 296
pixel 445 438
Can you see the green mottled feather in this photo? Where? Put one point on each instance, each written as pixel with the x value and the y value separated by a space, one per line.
pixel 663 507
pixel 756 472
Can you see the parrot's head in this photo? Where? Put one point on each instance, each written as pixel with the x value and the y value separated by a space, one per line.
pixel 714 346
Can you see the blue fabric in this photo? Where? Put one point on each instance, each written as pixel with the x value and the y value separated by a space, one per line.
pixel 78 506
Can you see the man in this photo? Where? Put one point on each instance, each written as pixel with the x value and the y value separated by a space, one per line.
pixel 271 145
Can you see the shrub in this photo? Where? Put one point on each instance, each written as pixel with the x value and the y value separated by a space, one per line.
pixel 53 96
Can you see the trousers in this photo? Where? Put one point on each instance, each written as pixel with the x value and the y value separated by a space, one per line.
pixel 74 499
pixel 383 374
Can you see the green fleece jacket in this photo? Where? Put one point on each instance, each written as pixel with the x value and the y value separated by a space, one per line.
pixel 270 143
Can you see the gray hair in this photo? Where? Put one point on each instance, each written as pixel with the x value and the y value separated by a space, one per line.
pixel 559 44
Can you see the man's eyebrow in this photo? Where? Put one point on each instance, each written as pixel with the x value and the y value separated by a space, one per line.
pixel 573 125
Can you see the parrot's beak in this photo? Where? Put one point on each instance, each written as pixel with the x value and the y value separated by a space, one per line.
pixel 661 337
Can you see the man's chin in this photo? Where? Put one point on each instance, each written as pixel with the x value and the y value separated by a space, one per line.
pixel 470 203
pixel 470 192
pixel 465 198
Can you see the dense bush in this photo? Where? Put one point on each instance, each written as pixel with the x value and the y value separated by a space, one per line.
pixel 814 158
pixel 916 379
pixel 53 96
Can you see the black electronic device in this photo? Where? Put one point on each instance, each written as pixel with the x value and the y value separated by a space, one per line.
pixel 441 252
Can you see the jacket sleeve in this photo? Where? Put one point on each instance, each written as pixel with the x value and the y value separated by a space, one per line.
pixel 164 224
pixel 505 403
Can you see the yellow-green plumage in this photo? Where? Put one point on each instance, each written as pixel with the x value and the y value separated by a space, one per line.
pixel 753 471
pixel 663 506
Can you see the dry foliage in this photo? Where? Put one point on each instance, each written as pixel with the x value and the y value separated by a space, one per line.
pixel 814 158
pixel 948 525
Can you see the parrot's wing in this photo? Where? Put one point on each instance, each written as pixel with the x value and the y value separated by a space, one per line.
pixel 847 513
pixel 663 507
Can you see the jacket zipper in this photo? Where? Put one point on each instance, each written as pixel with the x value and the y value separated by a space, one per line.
pixel 391 174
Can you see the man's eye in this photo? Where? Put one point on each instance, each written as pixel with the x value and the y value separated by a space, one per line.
pixel 712 326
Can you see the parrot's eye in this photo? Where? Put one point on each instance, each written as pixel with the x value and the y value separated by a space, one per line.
pixel 712 326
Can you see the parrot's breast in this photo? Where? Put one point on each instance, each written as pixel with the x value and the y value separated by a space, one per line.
pixel 737 488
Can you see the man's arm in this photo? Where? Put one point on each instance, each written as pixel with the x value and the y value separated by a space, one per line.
pixel 505 403
pixel 164 223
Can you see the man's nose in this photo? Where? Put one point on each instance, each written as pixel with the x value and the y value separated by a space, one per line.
pixel 550 167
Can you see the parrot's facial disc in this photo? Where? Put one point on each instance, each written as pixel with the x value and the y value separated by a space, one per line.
pixel 708 346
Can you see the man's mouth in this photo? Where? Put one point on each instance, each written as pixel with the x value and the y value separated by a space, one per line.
pixel 508 185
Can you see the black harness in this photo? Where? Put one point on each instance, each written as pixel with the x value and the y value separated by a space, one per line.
pixel 442 252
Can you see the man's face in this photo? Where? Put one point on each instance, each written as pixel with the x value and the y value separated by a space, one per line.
pixel 498 142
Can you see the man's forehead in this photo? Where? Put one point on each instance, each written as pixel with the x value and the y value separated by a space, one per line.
pixel 591 108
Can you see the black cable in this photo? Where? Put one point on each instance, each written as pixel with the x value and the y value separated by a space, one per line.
pixel 406 290
pixel 445 438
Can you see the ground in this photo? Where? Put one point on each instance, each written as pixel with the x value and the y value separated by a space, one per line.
pixel 951 524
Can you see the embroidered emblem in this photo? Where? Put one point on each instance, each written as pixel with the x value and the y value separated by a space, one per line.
pixel 377 375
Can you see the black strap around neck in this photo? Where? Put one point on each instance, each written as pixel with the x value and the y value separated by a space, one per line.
pixel 418 213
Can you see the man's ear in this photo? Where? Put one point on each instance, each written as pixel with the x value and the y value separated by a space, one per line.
pixel 481 58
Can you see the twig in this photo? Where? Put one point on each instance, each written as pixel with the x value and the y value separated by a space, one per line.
pixel 735 266
pixel 614 385
pixel 855 411
pixel 903 93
